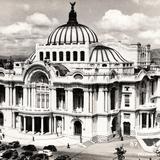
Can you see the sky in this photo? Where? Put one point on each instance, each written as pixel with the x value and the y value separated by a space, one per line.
pixel 23 23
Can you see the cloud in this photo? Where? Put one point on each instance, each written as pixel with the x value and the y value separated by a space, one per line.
pixel 137 26
pixel 147 2
pixel 40 19
pixel 21 37
pixel 115 20
pixel 16 28
pixel 26 7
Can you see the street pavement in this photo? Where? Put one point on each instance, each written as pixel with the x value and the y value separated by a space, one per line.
pixel 78 151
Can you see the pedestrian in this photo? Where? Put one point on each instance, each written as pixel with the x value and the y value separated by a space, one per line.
pixel 68 146
pixel 3 136
pixel 33 138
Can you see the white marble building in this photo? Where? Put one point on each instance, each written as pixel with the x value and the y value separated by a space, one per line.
pixel 75 86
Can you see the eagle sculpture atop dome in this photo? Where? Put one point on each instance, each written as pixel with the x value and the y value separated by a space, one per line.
pixel 72 5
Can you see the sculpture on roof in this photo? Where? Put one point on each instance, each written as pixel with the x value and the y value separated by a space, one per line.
pixel 72 5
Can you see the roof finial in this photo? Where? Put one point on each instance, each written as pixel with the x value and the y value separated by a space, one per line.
pixel 72 5
pixel 72 15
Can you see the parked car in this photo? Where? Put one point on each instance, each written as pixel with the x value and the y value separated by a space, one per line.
pixel 47 152
pixel 27 153
pixel 63 157
pixel 7 154
pixel 3 147
pixel 51 148
pixel 14 144
pixel 29 147
pixel 14 154
pixel 38 156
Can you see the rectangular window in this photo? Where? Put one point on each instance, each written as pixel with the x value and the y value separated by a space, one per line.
pixel 41 56
pixel 75 56
pixel 82 56
pixel 126 99
pixel 54 56
pixel 38 101
pixel 43 101
pixel 47 55
pixel 152 87
pixel 67 56
pixel 47 100
pixel 60 56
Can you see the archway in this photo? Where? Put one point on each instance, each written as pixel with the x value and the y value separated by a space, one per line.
pixel 126 128
pixel 1 119
pixel 77 128
pixel 114 124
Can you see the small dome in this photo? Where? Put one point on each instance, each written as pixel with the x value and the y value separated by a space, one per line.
pixel 102 53
pixel 72 32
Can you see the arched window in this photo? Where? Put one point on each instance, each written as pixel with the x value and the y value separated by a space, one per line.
pixel 39 77
pixel 143 93
pixel 41 56
pixel 75 56
pixel 54 54
pixel 82 56
pixel 68 56
pixel 41 90
pixel 77 128
pixel 78 76
pixel 60 56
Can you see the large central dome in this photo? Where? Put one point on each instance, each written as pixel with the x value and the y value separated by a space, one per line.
pixel 72 32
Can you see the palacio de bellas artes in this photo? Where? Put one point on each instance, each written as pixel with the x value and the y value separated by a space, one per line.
pixel 94 82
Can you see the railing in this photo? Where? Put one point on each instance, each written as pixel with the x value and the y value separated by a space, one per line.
pixel 34 109
pixel 148 132
pixel 147 106
pixel 78 110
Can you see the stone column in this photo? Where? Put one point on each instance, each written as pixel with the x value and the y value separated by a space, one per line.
pixel 70 100
pixel 24 96
pixel 24 120
pixel 29 97
pixel 106 100
pixel 86 101
pixel 10 95
pixel 42 125
pixel 54 99
pixel 109 101
pixel 20 123
pixel 90 101
pixel 7 95
pixel 147 118
pixel 147 92
pixel 66 99
pixel 33 95
pixel 33 125
pixel 50 98
pixel 100 101
pixel 14 120
pixel 55 125
pixel 152 121
pixel 157 94
pixel 50 125
pixel 62 125
pixel 140 120
pixel 14 96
